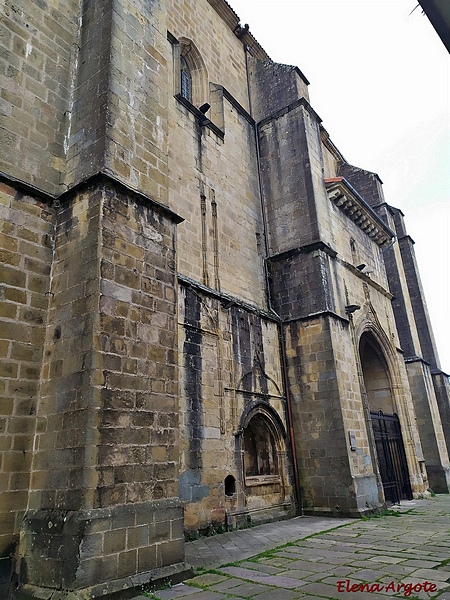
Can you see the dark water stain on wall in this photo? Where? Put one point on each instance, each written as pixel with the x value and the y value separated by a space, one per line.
pixel 259 364
pixel 192 352
pixel 190 481
pixel 248 351
pixel 242 351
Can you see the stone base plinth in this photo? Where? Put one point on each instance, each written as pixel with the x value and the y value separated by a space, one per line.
pixel 439 478
pixel 248 518
pixel 108 552
pixel 119 589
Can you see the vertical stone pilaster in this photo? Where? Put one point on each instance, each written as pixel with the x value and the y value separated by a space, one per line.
pixel 291 168
pixel 420 310
pixel 441 385
pixel 104 511
pixel 429 425
pixel 87 115
pixel 326 404
pixel 403 317
pixel 429 385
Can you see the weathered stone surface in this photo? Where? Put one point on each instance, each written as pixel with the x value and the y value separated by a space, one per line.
pixel 198 329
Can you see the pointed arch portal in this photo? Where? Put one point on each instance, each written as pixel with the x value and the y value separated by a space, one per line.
pixel 385 423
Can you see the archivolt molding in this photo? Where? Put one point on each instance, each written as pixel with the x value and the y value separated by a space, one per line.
pixel 269 413
pixel 370 324
pixel 197 67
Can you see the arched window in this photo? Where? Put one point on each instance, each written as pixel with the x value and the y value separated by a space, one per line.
pixel 185 79
pixel 191 83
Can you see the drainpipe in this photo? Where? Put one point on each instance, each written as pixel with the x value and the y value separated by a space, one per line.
pixel 281 337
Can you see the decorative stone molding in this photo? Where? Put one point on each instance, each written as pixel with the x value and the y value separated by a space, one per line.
pixel 341 193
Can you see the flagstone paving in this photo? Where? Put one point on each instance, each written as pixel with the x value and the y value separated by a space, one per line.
pixel 309 558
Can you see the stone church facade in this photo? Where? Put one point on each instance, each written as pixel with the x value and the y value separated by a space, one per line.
pixel 209 318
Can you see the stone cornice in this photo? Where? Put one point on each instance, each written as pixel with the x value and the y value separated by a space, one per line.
pixel 287 109
pixel 326 141
pixel 391 209
pixel 226 299
pixel 102 177
pixel 320 314
pixel 27 188
pixel 439 372
pixel 414 359
pixel 287 254
pixel 240 109
pixel 407 238
pixel 224 10
pixel 326 249
pixel 345 197
pixel 361 275
pixel 94 179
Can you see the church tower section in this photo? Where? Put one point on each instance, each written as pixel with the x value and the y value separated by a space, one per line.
pixel 330 288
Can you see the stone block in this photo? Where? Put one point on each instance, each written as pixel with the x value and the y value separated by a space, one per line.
pixel 138 537
pixel 127 563
pixel 114 541
pixel 171 552
pixel 147 558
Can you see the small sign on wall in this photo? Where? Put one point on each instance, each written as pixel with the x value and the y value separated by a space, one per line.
pixel 352 439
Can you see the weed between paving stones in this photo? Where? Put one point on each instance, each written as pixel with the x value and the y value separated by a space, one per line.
pixel 272 554
pixel 387 513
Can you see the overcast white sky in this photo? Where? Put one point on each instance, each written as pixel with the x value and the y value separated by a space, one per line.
pixel 380 80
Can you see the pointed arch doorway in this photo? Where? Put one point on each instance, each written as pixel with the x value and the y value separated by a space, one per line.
pixel 385 423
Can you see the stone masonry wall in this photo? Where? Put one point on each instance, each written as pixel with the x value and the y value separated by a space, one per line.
pixel 402 303
pixel 26 238
pixel 88 110
pixel 289 226
pixel 355 247
pixel 66 400
pixel 37 69
pixel 314 277
pixel 441 385
pixel 355 414
pixel 368 184
pixel 220 242
pixel 420 310
pixel 229 363
pixel 137 126
pixel 114 414
pixel 275 86
pixel 326 476
pixel 214 38
pixel 138 338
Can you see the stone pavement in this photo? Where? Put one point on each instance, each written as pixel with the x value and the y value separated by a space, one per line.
pixel 310 558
